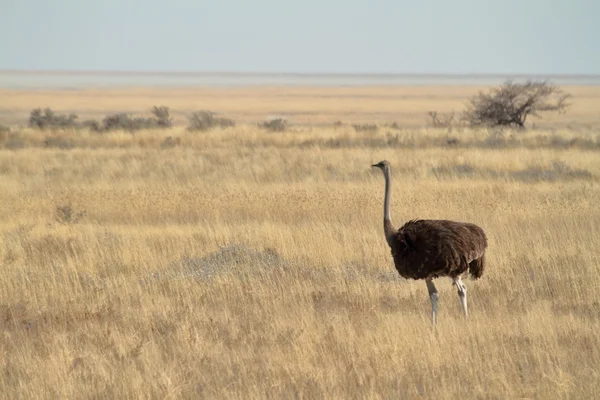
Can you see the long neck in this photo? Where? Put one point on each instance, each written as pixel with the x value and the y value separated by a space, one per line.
pixel 387 220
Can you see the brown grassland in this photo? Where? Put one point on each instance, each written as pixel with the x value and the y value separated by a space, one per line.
pixel 240 263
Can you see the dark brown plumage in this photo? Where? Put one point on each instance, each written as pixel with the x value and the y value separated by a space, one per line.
pixel 428 249
pixel 432 248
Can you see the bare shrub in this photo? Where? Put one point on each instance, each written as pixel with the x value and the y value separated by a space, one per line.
pixel 163 118
pixel 274 124
pixel 123 121
pixel 48 119
pixel 67 215
pixel 511 104
pixel 201 121
pixel 441 120
pixel 120 121
pixel 367 128
pixel 92 125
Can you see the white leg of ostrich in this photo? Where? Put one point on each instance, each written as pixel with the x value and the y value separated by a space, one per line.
pixel 462 294
pixel 433 295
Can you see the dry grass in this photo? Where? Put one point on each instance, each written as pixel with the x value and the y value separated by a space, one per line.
pixel 247 264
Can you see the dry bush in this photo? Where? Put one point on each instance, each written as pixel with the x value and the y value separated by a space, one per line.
pixel 92 125
pixel 366 128
pixel 201 121
pixel 512 103
pixel 66 214
pixel 123 121
pixel 274 124
pixel 442 120
pixel 48 119
pixel 162 116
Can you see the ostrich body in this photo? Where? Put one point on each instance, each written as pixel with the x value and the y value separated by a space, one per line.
pixel 428 249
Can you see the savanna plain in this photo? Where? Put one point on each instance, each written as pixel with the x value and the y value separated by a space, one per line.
pixel 242 263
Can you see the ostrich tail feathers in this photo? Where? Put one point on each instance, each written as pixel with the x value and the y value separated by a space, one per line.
pixel 476 267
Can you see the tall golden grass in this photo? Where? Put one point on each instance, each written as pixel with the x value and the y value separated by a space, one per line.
pixel 244 264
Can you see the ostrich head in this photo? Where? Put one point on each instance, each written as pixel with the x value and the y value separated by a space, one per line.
pixel 383 165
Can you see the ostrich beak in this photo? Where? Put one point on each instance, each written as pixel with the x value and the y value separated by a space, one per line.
pixel 376 165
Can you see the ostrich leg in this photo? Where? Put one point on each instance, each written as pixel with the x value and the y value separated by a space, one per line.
pixel 462 294
pixel 433 295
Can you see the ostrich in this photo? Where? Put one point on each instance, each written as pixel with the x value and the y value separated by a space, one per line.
pixel 427 249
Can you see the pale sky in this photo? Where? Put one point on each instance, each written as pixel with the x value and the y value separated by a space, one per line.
pixel 329 36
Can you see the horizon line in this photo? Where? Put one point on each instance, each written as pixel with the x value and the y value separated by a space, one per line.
pixel 292 73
